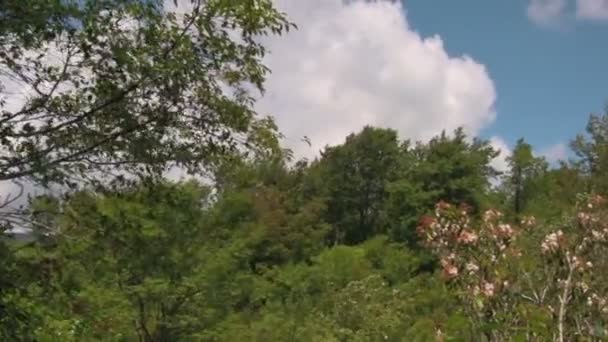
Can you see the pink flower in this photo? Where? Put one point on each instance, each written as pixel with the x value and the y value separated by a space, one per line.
pixel 467 237
pixel 505 230
pixel 552 242
pixel 488 289
pixel 449 270
pixel 490 215
pixel 583 218
pixel 427 222
pixel 579 263
pixel 471 267
pixel 443 205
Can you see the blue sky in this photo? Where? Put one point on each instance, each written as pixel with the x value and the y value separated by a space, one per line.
pixel 536 70
pixel 548 77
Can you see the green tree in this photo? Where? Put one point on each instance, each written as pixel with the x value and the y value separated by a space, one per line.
pixel 448 168
pixel 122 88
pixel 356 175
pixel 524 170
pixel 261 204
pixel 592 151
pixel 15 313
pixel 454 169
pixel 130 86
pixel 407 197
pixel 127 264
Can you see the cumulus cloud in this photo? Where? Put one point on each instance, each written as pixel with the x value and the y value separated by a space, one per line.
pixel 500 162
pixel 360 62
pixel 592 9
pixel 552 12
pixel 546 12
pixel 353 63
pixel 555 153
pixel 552 153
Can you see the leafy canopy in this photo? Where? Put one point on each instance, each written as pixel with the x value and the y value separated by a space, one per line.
pixel 119 87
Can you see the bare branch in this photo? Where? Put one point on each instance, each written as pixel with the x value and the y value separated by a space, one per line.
pixel 10 200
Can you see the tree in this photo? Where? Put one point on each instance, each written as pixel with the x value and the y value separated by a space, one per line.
pixel 524 169
pixel 15 315
pixel 130 87
pixel 554 193
pixel 407 197
pixel 127 265
pixel 453 169
pixel 261 205
pixel 356 177
pixel 122 88
pixel 592 151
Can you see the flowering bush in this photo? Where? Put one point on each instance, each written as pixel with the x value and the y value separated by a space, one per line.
pixel 561 281
pixel 576 255
pixel 474 258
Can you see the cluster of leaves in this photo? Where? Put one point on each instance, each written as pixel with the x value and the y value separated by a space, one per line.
pixel 130 87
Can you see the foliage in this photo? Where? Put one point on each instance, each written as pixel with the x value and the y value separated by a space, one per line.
pixel 525 171
pixel 556 283
pixel 455 170
pixel 356 176
pixel 592 150
pixel 130 86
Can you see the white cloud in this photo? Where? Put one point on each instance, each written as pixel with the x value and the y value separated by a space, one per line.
pixel 359 62
pixel 546 12
pixel 551 12
pixel 554 153
pixel 592 9
pixel 500 162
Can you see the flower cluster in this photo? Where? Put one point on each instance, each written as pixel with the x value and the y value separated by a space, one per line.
pixel 467 237
pixel 572 251
pixel 448 226
pixel 592 229
pixel 599 303
pixel 552 242
pixel 450 270
pixel 491 215
pixel 478 258
pixel 528 221
pixel 466 251
pixel 580 264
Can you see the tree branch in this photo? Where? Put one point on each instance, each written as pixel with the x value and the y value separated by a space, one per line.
pixel 116 98
pixel 564 298
pixel 8 200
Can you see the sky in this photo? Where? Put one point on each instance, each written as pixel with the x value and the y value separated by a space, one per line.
pixel 547 66
pixel 502 69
